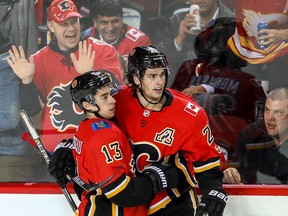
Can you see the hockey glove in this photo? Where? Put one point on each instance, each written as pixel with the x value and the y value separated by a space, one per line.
pixel 212 203
pixel 62 162
pixel 162 176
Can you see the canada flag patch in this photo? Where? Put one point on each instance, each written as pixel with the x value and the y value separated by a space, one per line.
pixel 192 109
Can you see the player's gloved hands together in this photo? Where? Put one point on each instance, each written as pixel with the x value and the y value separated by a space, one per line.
pixel 62 162
pixel 212 203
pixel 162 176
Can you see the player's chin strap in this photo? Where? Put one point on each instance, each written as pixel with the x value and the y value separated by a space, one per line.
pixel 142 94
pixel 96 113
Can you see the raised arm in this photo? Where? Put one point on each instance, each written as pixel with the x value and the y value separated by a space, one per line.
pixel 85 62
pixel 23 68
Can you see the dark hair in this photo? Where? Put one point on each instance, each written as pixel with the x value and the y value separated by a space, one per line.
pixel 211 44
pixel 143 57
pixel 106 8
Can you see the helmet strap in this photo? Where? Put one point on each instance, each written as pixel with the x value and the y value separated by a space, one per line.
pixel 92 102
pixel 142 94
pixel 96 113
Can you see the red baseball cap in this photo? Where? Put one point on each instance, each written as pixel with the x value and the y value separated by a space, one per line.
pixel 60 10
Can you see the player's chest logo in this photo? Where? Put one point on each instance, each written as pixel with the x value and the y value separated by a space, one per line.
pixel 165 137
pixel 146 113
pixel 144 122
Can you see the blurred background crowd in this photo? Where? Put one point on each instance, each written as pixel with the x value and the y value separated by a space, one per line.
pixel 233 65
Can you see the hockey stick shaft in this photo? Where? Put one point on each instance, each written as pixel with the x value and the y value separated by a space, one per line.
pixel 36 143
pixel 76 179
pixel 30 126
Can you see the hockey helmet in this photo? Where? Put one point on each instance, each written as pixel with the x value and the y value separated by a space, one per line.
pixel 141 58
pixel 84 86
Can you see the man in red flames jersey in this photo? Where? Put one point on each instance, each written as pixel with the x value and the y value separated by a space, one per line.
pixel 166 125
pixel 247 40
pixel 264 48
pixel 53 67
pixel 109 27
pixel 103 154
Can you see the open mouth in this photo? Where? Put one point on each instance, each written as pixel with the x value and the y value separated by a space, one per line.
pixel 158 90
pixel 271 125
pixel 70 37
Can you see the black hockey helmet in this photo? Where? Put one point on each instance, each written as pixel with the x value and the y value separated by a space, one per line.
pixel 84 86
pixel 141 58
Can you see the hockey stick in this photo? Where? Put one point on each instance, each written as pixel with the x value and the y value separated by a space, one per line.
pixel 30 126
pixel 38 144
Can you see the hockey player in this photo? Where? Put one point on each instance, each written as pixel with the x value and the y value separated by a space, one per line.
pixel 103 154
pixel 53 67
pixel 166 125
pixel 109 27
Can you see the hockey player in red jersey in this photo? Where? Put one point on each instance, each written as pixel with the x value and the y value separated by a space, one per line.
pixel 53 67
pixel 103 153
pixel 166 125
pixel 109 27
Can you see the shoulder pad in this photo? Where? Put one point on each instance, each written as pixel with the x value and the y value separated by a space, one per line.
pixel 101 124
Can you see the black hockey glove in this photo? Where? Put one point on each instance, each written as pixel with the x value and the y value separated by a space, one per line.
pixel 162 176
pixel 212 203
pixel 62 162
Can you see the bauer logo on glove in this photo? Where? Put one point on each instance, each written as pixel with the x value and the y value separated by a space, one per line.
pixel 212 203
pixel 162 176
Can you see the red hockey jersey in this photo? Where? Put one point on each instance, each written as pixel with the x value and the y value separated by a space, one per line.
pixel 242 92
pixel 238 99
pixel 181 126
pixel 129 38
pixel 244 43
pixel 53 74
pixel 100 149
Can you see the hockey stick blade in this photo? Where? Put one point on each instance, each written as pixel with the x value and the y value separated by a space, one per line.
pixel 30 126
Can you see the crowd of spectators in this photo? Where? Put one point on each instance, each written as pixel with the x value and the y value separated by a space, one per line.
pixel 224 68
